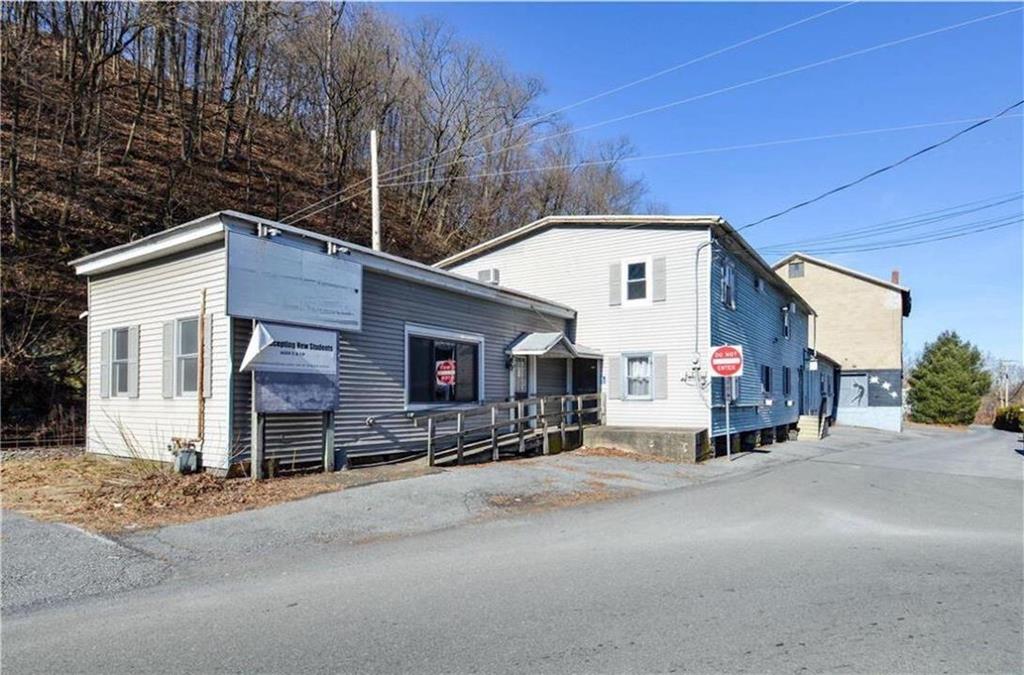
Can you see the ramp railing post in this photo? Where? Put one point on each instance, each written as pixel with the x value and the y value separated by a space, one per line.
pixel 521 423
pixel 494 433
pixel 458 436
pixel 430 441
pixel 561 421
pixel 544 428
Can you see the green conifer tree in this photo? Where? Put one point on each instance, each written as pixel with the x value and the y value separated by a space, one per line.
pixel 948 382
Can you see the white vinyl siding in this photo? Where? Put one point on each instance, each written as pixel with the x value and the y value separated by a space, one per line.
pixel 146 297
pixel 591 279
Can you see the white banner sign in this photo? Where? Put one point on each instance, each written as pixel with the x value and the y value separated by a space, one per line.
pixel 292 349
pixel 276 282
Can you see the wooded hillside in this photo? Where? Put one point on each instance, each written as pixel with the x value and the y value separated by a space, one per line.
pixel 121 119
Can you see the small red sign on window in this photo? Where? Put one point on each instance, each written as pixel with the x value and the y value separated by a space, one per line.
pixel 445 372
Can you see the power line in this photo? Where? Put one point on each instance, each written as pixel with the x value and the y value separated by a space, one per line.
pixel 685 153
pixel 883 169
pixel 901 224
pixel 941 235
pixel 672 104
pixel 598 96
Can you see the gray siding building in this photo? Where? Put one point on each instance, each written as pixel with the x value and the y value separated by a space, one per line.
pixel 145 301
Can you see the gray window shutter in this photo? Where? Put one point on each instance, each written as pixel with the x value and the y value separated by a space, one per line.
pixel 615 284
pixel 168 360
pixel 660 376
pixel 615 388
pixel 133 362
pixel 208 357
pixel 658 279
pixel 105 364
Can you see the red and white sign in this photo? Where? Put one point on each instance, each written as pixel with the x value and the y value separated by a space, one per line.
pixel 445 372
pixel 727 361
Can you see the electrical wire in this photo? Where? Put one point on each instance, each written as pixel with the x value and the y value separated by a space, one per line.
pixel 595 97
pixel 672 104
pixel 901 224
pixel 876 172
pixel 942 235
pixel 685 153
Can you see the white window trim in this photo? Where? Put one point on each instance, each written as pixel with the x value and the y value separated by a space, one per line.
pixel 178 393
pixel 114 393
pixel 437 333
pixel 648 262
pixel 728 269
pixel 626 356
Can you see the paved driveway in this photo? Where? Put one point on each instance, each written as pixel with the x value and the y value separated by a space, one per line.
pixel 852 559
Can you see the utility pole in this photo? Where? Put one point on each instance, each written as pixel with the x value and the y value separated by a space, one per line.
pixel 374 190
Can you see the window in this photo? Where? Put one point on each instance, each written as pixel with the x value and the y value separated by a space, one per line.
pixel 796 269
pixel 636 280
pixel 520 378
pixel 442 369
pixel 638 376
pixel 786 385
pixel 729 286
pixel 766 379
pixel 186 356
pixel 119 362
pixel 759 284
pixel 785 322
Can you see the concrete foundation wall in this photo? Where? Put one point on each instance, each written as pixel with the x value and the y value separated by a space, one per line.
pixel 682 445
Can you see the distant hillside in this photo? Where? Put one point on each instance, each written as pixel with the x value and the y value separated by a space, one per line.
pixel 121 119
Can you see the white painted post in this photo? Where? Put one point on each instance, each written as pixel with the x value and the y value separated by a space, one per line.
pixel 430 441
pixel 459 425
pixel 494 434
pixel 374 190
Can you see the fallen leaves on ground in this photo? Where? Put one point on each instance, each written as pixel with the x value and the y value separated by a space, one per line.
pixel 110 495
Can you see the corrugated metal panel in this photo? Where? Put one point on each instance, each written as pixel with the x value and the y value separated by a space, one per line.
pixel 372 365
pixel 148 295
pixel 756 323
pixel 580 268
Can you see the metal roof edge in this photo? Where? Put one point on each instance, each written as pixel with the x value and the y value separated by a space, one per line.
pixel 751 253
pixel 202 229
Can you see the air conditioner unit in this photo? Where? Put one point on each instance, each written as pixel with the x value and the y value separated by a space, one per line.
pixel 489 276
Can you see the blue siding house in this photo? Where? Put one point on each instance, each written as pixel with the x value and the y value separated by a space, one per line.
pixel 750 308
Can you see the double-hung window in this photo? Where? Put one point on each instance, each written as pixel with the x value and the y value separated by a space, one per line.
pixel 119 362
pixel 442 367
pixel 638 376
pixel 186 356
pixel 728 285
pixel 785 322
pixel 796 269
pixel 766 379
pixel 636 280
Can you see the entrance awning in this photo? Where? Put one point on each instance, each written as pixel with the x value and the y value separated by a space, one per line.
pixel 550 345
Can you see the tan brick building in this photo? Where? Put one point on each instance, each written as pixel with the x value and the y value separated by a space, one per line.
pixel 859 323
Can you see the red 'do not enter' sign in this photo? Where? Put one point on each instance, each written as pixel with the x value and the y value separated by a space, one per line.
pixel 727 361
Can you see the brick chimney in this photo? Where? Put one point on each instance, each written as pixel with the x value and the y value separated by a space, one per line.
pixel 896 277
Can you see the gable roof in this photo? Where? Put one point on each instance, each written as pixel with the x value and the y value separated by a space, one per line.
pixel 595 221
pixel 726 234
pixel 902 290
pixel 211 228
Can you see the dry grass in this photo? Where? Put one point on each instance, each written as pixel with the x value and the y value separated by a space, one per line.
pixel 623 454
pixel 110 495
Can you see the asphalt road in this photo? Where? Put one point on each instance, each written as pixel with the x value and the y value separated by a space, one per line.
pixel 883 557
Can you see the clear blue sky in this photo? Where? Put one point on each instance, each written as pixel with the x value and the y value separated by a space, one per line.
pixel 972 285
